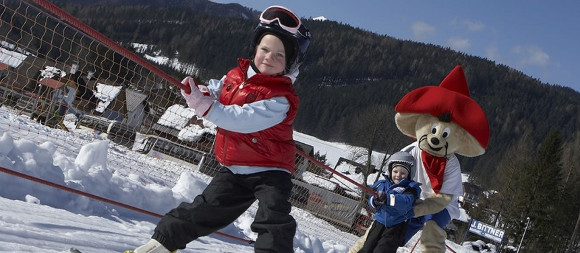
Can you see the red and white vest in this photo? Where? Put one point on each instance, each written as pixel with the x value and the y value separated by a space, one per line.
pixel 271 147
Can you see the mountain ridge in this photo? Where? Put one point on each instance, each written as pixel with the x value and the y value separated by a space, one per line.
pixel 349 71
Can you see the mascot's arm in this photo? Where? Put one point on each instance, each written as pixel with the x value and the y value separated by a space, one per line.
pixel 432 204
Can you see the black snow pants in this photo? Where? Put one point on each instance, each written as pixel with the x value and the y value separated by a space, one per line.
pixel 227 197
pixel 383 239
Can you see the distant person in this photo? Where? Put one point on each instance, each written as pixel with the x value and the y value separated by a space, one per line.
pixel 84 93
pixel 396 195
pixel 254 107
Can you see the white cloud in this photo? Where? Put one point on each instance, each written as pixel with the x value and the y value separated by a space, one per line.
pixel 422 30
pixel 474 26
pixel 459 44
pixel 491 53
pixel 531 55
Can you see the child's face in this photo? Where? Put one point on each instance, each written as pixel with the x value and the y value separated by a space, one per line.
pixel 270 56
pixel 398 173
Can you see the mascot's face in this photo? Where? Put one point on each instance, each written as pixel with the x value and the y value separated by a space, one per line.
pixel 438 138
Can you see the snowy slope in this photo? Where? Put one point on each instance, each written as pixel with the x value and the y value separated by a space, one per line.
pixel 37 218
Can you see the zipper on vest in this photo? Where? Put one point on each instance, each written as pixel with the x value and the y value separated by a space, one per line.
pixel 226 136
pixel 236 91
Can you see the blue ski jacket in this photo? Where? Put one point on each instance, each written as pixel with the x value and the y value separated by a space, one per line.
pixel 398 206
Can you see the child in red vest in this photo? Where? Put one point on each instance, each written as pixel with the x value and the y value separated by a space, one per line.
pixel 254 107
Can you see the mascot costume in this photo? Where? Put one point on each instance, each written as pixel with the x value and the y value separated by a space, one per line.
pixel 445 121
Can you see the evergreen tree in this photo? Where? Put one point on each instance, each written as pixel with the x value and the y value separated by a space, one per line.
pixel 530 185
pixel 321 158
pixel 545 194
pixel 509 207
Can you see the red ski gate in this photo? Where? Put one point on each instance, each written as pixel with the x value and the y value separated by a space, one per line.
pixel 54 66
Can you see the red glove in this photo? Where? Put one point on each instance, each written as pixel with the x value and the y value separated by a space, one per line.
pixel 204 90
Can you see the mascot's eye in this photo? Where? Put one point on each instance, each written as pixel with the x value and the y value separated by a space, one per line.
pixel 446 132
pixel 434 128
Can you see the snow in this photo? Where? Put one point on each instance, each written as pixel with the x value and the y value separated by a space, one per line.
pixel 162 60
pixel 51 72
pixel 39 218
pixel 11 58
pixel 334 151
pixel 320 18
pixel 174 63
pixel 106 94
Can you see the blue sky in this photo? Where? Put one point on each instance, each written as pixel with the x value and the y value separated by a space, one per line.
pixel 540 38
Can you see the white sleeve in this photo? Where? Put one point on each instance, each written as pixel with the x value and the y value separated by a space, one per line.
pixel 249 118
pixel 452 178
pixel 215 86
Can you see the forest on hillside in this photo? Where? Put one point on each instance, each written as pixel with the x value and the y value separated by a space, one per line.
pixel 350 79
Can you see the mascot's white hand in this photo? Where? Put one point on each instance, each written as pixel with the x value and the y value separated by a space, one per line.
pixel 432 204
pixel 196 99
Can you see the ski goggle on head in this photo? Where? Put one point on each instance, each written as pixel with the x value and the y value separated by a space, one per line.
pixel 285 18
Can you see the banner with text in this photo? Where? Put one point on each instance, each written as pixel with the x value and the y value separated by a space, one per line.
pixel 487 231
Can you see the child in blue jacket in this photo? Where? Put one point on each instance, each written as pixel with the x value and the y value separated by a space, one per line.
pixel 396 195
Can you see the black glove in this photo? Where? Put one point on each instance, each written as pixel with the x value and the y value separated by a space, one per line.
pixel 380 199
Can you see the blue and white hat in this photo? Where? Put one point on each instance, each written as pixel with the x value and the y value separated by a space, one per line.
pixel 403 159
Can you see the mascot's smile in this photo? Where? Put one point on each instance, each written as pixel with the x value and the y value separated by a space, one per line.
pixel 434 149
pixel 429 143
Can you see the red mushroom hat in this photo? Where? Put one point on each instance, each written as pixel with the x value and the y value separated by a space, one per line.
pixel 451 96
